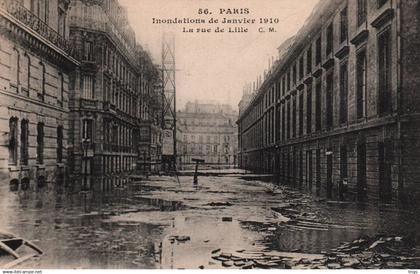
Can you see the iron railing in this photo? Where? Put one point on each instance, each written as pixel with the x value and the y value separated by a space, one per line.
pixel 25 16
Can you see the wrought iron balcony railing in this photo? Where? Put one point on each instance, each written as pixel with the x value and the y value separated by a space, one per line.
pixel 26 17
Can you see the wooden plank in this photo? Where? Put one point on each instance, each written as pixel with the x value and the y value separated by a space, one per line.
pixel 33 246
pixel 8 250
pixel 19 261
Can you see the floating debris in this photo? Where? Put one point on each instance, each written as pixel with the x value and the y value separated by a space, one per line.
pixel 228 263
pixel 215 251
pixel 226 219
pixel 219 204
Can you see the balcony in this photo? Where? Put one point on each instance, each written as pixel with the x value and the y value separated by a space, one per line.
pixel 26 17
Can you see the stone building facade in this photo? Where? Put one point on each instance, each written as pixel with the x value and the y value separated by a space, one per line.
pixel 338 115
pixel 115 109
pixel 81 101
pixel 207 131
pixel 36 60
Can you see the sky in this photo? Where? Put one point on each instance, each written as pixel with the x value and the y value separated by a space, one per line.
pixel 216 66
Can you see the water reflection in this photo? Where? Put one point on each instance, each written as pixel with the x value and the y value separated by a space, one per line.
pixel 122 228
pixel 70 228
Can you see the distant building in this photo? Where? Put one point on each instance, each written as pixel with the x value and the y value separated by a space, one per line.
pixel 207 131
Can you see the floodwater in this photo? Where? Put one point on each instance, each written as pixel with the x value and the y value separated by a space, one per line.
pixel 159 223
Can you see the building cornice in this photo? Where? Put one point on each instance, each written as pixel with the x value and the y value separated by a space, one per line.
pixel 34 40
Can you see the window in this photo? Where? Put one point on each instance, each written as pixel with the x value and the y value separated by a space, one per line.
pixel 87 131
pixel 309 60
pixel 42 11
pixel 88 87
pixel 24 140
pixel 361 12
pixel 329 99
pixel 26 73
pixel 16 66
pixel 283 91
pixel 343 25
pixel 301 114
pixel 343 92
pixel 330 38
pixel 13 140
pixel 283 122
pixel 309 169
pixel 309 109
pixel 343 161
pixel 361 83
pixel 288 80
pixel 40 143
pixel 301 73
pixel 61 22
pixel 384 92
pixel 318 105
pixel 288 119
pixel 59 144
pixel 318 51
pixel 60 94
pixel 41 94
pixel 318 170
pixel 294 74
pixel 277 124
pixel 88 51
pixel 33 6
pixel 294 117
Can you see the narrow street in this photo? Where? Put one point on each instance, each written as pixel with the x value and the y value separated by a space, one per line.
pixel 228 221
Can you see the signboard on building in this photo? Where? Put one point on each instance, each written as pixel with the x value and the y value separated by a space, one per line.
pixel 144 134
pixel 167 142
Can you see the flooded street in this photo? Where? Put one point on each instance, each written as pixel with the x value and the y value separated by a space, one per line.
pixel 158 223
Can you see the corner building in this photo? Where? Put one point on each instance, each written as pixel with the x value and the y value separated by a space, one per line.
pixel 36 60
pixel 115 91
pixel 338 114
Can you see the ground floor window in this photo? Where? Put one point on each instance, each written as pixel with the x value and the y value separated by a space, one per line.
pixel 13 141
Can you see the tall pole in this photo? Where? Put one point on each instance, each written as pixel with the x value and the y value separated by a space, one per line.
pixel 174 130
pixel 169 95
